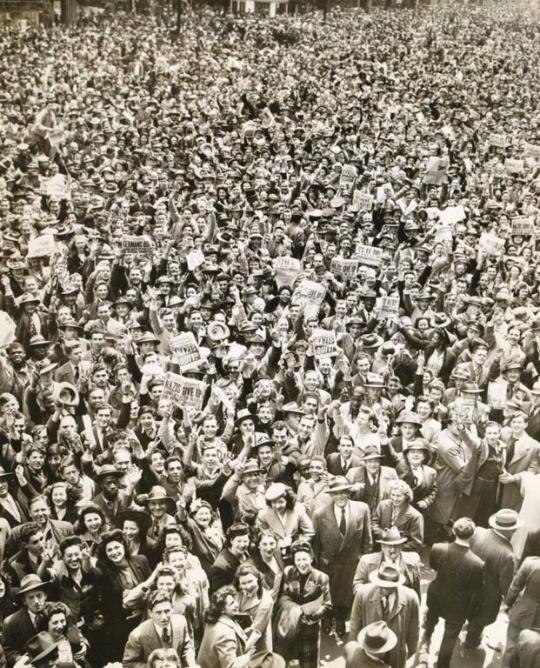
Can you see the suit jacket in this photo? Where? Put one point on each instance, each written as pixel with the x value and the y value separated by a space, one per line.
pixel 426 489
pixel 221 644
pixel 59 531
pixel 18 629
pixel 355 657
pixel 335 467
pixel 297 523
pixel 523 598
pixel 403 618
pixel 525 451
pixel 528 649
pixel 499 567
pixel 223 570
pixel 409 565
pixel 380 491
pixel 409 521
pixel 65 374
pixel 337 554
pixel 456 590
pixel 144 639
pixel 533 424
pixel 24 330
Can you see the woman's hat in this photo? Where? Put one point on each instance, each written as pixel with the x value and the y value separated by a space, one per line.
pixel 392 536
pixel 338 484
pixel 31 582
pixel 275 491
pixel 505 519
pixel 40 646
pixel 377 638
pixel 387 576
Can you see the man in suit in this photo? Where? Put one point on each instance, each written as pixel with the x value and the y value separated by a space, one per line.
pixel 371 482
pixel 53 531
pixel 521 450
pixel 455 592
pixel 10 507
pixel 523 601
pixel 373 644
pixel 458 450
pixel 408 563
pixel 30 322
pixel 163 629
pixel 69 371
pixel 386 599
pixel 478 370
pixel 111 499
pixel 21 625
pixel 339 463
pixel 342 535
pixel 231 556
pixel 493 546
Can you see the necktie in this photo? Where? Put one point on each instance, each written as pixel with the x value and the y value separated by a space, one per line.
pixel 510 450
pixel 166 636
pixel 384 603
pixel 343 523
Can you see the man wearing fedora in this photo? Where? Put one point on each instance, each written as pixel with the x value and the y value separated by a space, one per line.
pixel 455 593
pixel 371 648
pixel 391 552
pixel 371 481
pixel 386 599
pixel 244 489
pixel 342 536
pixel 110 499
pixel 23 624
pixel 494 547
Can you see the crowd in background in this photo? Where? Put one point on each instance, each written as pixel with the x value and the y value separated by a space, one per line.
pixel 270 338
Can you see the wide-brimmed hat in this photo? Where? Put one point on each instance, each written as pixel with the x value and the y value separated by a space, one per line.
pixel 440 321
pixel 292 407
pixel 471 388
pixel 27 298
pixel 372 452
pixel 409 418
pixel 70 322
pixel 387 576
pixel 217 331
pixel 377 638
pixel 536 388
pixel 38 341
pixel 505 519
pixel 157 493
pixel 338 484
pixel 59 388
pixel 417 444
pixel 275 491
pixel 4 473
pixel 147 337
pixel 251 467
pixel 245 414
pixel 392 536
pixel 109 470
pixel 31 582
pixel 371 341
pixel 40 646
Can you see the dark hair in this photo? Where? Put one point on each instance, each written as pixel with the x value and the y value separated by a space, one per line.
pixel 52 608
pixel 217 603
pixel 141 519
pixel 249 569
pixel 156 598
pixel 175 528
pixel 237 529
pixel 70 541
pixel 115 535
pixel 29 530
pixel 88 510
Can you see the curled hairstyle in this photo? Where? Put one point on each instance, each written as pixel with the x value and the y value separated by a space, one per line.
pixel 402 487
pixel 217 603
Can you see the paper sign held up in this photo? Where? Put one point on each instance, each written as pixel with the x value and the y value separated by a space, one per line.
pixel 186 350
pixel 324 343
pixel 369 255
pixel 184 392
pixel 310 296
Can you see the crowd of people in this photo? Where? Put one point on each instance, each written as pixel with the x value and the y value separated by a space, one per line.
pixel 270 338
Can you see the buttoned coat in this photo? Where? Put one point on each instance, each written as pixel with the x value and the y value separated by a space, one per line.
pixel 526 449
pixel 338 555
pixel 402 619
pixel 409 566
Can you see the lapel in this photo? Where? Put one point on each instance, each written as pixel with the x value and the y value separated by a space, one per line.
pixel 155 639
pixel 175 633
pixel 240 635
pixel 351 526
pixel 522 449
pixel 398 604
